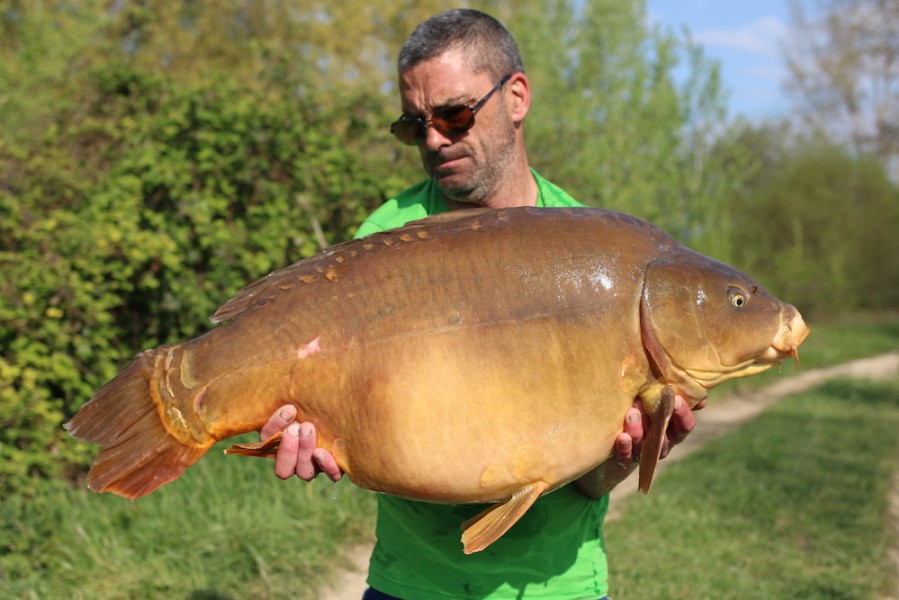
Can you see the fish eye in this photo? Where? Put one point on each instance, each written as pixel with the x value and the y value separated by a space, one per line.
pixel 737 297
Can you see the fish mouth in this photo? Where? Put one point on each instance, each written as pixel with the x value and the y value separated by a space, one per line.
pixel 786 341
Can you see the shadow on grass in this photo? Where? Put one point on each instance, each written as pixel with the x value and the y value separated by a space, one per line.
pixel 209 595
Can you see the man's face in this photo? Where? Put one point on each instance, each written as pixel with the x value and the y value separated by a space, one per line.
pixel 467 167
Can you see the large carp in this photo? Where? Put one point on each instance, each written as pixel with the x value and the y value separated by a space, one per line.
pixel 478 356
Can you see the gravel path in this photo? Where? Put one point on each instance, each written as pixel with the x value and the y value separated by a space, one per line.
pixel 719 418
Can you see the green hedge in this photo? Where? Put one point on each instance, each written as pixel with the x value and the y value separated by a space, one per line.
pixel 138 212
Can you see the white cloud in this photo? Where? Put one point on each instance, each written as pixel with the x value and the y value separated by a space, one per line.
pixel 761 37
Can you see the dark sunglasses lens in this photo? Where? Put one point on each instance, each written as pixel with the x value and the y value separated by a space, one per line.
pixel 408 131
pixel 450 121
pixel 453 120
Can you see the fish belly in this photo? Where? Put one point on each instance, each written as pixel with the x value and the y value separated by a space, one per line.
pixel 470 415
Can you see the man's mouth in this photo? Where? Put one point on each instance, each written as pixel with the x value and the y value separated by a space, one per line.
pixel 443 162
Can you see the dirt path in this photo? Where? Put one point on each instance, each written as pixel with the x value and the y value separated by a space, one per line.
pixel 719 418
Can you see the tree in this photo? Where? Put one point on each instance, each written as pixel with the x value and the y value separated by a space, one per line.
pixel 612 124
pixel 844 74
pixel 816 224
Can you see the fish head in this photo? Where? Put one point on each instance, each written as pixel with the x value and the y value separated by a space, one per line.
pixel 704 322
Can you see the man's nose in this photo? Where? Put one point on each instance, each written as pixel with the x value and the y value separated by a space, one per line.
pixel 434 140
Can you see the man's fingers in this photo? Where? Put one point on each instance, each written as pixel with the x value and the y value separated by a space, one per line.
pixel 327 464
pixel 666 448
pixel 305 468
pixel 297 455
pixel 624 449
pixel 633 424
pixel 286 458
pixel 682 421
pixel 283 417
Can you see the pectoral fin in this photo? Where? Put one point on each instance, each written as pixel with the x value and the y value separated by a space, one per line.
pixel 266 449
pixel 488 526
pixel 652 445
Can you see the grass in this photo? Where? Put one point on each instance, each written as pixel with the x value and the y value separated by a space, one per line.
pixel 835 343
pixel 794 505
pixel 229 529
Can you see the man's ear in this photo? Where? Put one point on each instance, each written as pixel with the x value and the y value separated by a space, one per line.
pixel 520 96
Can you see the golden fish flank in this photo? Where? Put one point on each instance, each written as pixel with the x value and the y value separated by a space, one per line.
pixel 406 348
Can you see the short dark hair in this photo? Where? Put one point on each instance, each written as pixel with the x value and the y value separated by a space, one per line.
pixel 488 45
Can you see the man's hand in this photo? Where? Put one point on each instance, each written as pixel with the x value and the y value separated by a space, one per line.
pixel 626 452
pixel 297 454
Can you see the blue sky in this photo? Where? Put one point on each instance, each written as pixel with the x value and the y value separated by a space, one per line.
pixel 745 37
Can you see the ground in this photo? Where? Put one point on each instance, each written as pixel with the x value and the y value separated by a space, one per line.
pixel 719 418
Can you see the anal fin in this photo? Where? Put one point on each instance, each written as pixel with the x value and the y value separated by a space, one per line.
pixel 652 445
pixel 266 449
pixel 488 526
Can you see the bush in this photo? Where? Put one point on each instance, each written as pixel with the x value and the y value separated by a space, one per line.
pixel 141 209
pixel 818 228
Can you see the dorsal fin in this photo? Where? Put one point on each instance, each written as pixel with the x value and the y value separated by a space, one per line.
pixel 303 272
pixel 258 293
pixel 326 263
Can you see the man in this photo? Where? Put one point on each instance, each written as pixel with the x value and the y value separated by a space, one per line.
pixel 464 98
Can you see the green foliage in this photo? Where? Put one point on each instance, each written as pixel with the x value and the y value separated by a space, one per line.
pixel 133 217
pixel 41 44
pixel 611 123
pixel 818 227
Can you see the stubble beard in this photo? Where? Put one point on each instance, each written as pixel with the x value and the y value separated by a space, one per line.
pixel 487 172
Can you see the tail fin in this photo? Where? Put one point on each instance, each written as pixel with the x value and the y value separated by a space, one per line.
pixel 138 453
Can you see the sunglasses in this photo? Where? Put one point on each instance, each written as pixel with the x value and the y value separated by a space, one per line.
pixel 450 121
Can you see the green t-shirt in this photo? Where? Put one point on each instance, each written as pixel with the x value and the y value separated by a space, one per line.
pixel 555 551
